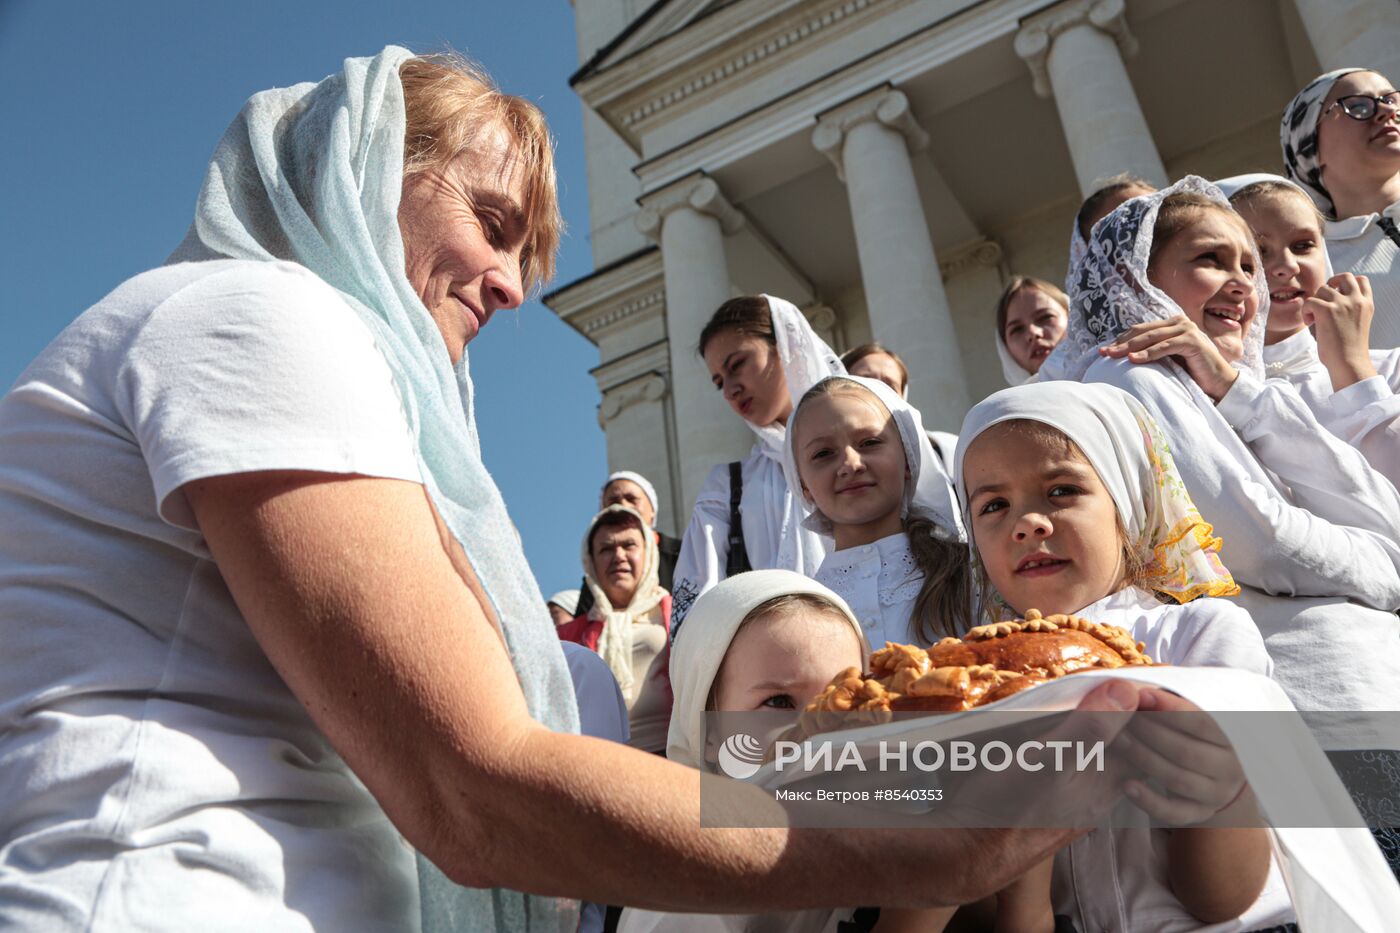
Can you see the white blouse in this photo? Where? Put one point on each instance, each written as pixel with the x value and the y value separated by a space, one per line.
pixel 1365 415
pixel 880 582
pixel 1117 880
pixel 705 547
pixel 1308 531
pixel 1358 245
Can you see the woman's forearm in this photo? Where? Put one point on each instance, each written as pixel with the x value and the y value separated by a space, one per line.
pixel 611 839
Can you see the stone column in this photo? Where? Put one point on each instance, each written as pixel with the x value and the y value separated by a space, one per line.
pixel 1354 34
pixel 1075 51
pixel 690 219
pixel 869 140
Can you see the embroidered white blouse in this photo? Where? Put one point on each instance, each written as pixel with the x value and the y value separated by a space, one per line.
pixel 880 582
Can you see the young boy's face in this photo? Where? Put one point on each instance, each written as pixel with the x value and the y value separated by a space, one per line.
pixel 1295 259
pixel 783 661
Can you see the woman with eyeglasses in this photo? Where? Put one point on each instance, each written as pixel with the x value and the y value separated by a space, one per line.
pixel 1341 142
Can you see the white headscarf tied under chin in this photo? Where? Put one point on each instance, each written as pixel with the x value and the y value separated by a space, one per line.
pixel 929 491
pixel 1110 290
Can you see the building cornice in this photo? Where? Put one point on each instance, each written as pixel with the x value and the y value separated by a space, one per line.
pixel 794 113
pixel 717 52
pixel 620 295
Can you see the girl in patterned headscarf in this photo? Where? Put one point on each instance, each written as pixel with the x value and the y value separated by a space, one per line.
pixel 1309 527
pixel 1341 143
pixel 1074 505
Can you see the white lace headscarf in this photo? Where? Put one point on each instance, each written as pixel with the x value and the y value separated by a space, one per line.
pixel 806 361
pixel 615 641
pixel 929 491
pixel 1297 134
pixel 1110 290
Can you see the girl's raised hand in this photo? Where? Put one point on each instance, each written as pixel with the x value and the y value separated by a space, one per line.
pixel 1176 337
pixel 1341 313
pixel 1186 754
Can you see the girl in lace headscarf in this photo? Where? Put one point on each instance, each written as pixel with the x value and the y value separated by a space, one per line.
pixel 1310 528
pixel 859 455
pixel 1351 389
pixel 762 355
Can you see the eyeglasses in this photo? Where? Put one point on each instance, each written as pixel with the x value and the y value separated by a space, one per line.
pixel 1363 106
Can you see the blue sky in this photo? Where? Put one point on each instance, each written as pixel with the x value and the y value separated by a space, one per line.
pixel 111 110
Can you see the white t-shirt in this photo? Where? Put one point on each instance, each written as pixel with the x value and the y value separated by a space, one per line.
pixel 156 772
pixel 1118 880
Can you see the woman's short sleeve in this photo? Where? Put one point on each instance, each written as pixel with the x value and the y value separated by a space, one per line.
pixel 262 366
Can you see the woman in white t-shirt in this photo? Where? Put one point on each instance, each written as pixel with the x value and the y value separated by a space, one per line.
pixel 267 626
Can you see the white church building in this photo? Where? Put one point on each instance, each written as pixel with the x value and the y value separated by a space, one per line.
pixel 886 165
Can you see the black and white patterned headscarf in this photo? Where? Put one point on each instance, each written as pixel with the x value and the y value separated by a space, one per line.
pixel 1110 290
pixel 1297 134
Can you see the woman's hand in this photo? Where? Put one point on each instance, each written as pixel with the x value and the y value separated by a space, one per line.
pixel 1341 313
pixel 1180 338
pixel 1187 755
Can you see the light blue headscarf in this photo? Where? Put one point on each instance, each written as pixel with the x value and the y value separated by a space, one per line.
pixel 313 174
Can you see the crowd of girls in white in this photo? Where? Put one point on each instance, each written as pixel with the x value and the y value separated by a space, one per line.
pixel 1200 445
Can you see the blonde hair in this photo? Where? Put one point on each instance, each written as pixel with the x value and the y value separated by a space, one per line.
pixel 944 604
pixel 1261 191
pixel 1179 211
pixel 450 102
pixel 1134 570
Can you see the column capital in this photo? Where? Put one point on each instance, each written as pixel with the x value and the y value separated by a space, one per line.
pixel 697 191
pixel 649 388
pixel 1038 33
pixel 884 105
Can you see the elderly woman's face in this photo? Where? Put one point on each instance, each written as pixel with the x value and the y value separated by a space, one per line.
pixel 463 229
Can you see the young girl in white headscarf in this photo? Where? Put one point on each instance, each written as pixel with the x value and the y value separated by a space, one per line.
pixel 1074 505
pixel 769 639
pixel 762 355
pixel 859 455
pixel 1349 387
pixel 1310 526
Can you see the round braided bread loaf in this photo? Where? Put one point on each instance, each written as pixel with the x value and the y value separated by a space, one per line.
pixel 989 663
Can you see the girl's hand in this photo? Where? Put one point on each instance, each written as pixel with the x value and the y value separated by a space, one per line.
pixel 1341 312
pixel 1180 338
pixel 1187 755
